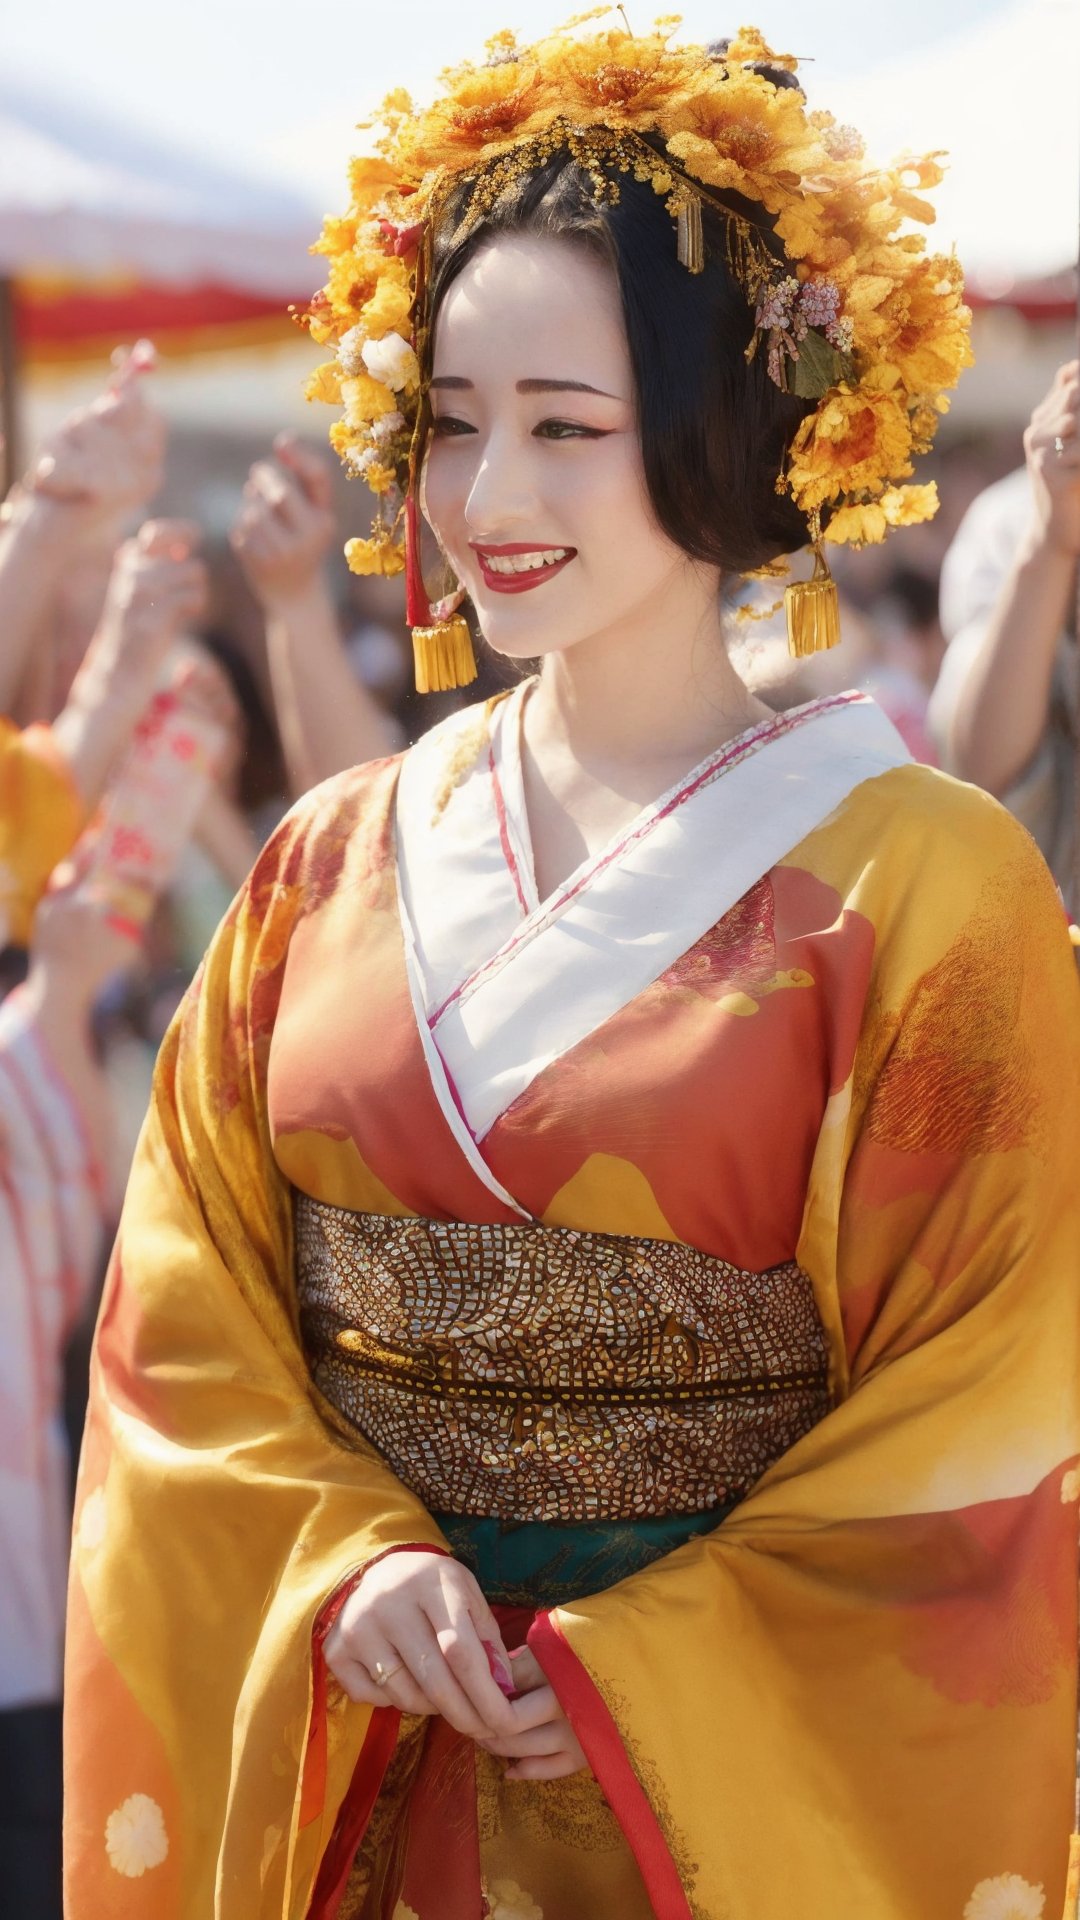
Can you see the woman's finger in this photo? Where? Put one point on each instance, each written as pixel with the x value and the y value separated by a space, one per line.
pixel 400 1691
pixel 419 1645
pixel 311 469
pixel 462 1644
pixel 556 1766
pixel 536 1709
pixel 278 489
pixel 550 1739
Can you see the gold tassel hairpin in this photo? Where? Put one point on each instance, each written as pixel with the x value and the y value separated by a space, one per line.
pixel 689 234
pixel 443 655
pixel 813 606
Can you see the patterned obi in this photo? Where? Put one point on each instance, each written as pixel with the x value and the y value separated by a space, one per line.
pixel 531 1373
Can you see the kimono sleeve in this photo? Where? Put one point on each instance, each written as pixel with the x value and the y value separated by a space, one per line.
pixel 857 1697
pixel 218 1505
pixel 41 815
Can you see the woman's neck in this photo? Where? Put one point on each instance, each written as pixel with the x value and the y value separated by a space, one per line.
pixel 618 718
pixel 635 704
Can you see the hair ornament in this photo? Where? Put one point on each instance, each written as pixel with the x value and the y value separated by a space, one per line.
pixel 855 315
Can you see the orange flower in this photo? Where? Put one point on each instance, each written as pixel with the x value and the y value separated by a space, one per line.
pixel 617 79
pixel 928 342
pixel 486 109
pixel 746 137
pixel 370 180
pixel 857 438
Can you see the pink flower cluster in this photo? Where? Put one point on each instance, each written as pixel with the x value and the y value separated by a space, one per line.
pixel 786 312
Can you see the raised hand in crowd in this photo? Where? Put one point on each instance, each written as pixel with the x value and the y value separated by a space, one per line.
pixel 103 465
pixel 993 705
pixel 76 949
pixel 157 589
pixel 282 537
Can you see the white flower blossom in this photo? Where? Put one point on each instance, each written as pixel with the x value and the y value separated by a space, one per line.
pixel 361 458
pixel 135 1836
pixel 385 428
pixel 1006 1897
pixel 351 352
pixel 392 361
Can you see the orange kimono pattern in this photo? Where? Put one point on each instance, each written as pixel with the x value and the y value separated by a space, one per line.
pixel 855 1697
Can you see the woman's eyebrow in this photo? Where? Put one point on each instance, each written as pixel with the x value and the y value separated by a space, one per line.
pixel 452 382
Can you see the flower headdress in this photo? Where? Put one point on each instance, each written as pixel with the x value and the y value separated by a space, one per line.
pixel 856 316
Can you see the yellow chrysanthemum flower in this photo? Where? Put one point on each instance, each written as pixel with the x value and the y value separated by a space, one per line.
pixel 857 526
pixel 378 555
pixel 388 309
pixel 858 438
pixel 910 506
pixel 744 137
pixel 366 400
pixel 324 384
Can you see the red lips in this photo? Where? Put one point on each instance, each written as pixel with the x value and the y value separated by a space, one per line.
pixel 519 582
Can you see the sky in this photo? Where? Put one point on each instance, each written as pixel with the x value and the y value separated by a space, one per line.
pixel 275 89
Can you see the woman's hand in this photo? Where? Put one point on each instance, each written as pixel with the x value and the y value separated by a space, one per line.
pixel 286 526
pixel 106 460
pixel 543 1745
pixel 1052 447
pixel 421 1619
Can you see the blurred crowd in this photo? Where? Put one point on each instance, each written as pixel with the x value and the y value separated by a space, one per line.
pixel 147 749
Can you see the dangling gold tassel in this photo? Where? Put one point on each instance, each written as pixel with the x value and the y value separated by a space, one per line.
pixel 443 656
pixel 813 611
pixel 691 240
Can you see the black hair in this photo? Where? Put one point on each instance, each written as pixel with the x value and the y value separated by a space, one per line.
pixel 714 428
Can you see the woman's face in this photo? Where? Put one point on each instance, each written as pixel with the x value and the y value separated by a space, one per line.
pixel 534 481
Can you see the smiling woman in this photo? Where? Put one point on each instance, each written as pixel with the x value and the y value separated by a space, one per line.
pixel 585 1414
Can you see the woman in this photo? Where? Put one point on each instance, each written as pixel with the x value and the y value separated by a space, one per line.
pixel 585 1409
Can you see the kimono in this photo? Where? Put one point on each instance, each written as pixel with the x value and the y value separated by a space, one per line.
pixel 41 815
pixel 694 1253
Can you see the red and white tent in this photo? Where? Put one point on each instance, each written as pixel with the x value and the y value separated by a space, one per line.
pixel 107 233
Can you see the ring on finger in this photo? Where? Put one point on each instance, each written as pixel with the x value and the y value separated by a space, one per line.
pixel 1059 445
pixel 381 1674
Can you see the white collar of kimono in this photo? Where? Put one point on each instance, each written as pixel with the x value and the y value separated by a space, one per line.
pixel 503 983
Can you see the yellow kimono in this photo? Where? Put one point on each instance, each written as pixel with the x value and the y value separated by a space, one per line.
pixel 725 1201
pixel 41 815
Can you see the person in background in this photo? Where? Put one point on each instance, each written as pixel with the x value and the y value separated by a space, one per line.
pixel 57 1198
pixel 52 1204
pixel 104 463
pixel 282 537
pixel 1004 708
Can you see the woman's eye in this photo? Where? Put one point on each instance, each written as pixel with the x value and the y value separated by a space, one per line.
pixel 448 426
pixel 568 430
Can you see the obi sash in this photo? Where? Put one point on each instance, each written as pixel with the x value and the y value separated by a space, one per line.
pixel 516 1376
